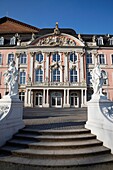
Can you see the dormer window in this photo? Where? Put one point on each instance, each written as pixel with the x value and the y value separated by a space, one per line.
pixel 100 41
pixel 13 41
pixel 111 41
pixel 2 41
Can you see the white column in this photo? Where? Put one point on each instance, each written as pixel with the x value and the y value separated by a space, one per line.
pixel 81 68
pixel 81 97
pixel 50 75
pixel 29 97
pixel 85 97
pixel 31 66
pixel 43 97
pixel 47 97
pixel 67 96
pixel 17 60
pixel 26 98
pixel 95 59
pixel 47 64
pixel 66 67
pixel 64 97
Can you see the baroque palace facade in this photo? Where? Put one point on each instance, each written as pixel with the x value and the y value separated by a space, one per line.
pixel 54 64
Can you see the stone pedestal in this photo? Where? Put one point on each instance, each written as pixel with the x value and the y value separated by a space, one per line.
pixel 11 114
pixel 100 119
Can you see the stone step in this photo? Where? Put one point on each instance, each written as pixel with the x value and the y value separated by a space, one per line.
pixel 55 137
pixel 54 145
pixel 55 132
pixel 55 153
pixel 60 163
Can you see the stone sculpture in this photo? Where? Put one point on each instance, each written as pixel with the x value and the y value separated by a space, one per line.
pixel 98 78
pixel 11 79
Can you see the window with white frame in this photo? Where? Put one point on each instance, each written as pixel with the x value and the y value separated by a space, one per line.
pixel 22 96
pixel 39 75
pixel 101 59
pixel 39 57
pixel 13 40
pixel 23 58
pixel 2 41
pixel 89 58
pixel 106 75
pixel 111 41
pixel 73 57
pixel 22 77
pixel 10 57
pixel 56 57
pixel 89 77
pixel 100 41
pixel 73 75
pixel 111 58
pixel 56 75
pixel 0 59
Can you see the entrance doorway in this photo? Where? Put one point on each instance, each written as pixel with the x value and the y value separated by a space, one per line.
pixel 74 100
pixel 56 99
pixel 38 99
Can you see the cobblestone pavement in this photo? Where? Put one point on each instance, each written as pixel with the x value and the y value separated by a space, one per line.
pixel 55 118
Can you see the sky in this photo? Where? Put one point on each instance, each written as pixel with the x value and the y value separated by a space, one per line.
pixel 84 16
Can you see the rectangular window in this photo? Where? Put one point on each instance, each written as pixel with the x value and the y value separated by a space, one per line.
pixel 101 59
pixel 39 75
pixel 89 77
pixel 10 57
pixel 56 75
pixel 22 77
pixel 89 58
pixel 0 59
pixel 112 59
pixel 23 58
pixel 73 75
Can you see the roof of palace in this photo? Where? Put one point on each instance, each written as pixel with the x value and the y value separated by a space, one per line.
pixel 9 25
pixel 26 33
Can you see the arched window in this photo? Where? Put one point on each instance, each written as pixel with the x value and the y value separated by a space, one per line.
pixel 73 75
pixel 13 40
pixel 39 57
pixel 39 75
pixel 100 41
pixel 10 57
pixel 2 41
pixel 56 57
pixel 111 41
pixel 56 75
pixel 73 57
pixel 23 58
pixel 22 77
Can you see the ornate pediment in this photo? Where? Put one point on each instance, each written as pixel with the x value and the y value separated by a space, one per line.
pixel 56 40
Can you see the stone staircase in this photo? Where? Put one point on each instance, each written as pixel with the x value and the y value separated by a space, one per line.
pixel 76 148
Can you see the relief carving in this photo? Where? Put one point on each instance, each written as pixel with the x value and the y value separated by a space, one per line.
pixel 55 40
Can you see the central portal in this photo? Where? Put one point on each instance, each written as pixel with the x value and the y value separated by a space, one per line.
pixel 56 99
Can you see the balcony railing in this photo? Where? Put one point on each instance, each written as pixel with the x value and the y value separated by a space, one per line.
pixel 57 84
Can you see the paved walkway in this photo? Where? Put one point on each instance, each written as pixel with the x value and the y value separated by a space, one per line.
pixel 55 118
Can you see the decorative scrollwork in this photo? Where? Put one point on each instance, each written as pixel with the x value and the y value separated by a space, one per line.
pixel 3 110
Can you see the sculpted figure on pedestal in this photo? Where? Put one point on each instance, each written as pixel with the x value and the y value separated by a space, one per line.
pixel 11 79
pixel 98 78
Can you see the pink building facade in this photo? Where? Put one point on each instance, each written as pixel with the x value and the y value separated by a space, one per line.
pixel 54 64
